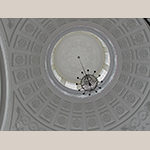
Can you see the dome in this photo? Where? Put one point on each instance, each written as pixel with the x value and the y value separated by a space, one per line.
pixel 74 74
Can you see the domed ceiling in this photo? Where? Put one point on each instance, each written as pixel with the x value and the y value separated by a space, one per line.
pixel 74 74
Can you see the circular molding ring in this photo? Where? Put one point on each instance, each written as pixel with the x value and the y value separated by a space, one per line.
pixel 102 35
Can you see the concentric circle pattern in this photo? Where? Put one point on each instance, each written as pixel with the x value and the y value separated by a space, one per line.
pixel 33 102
